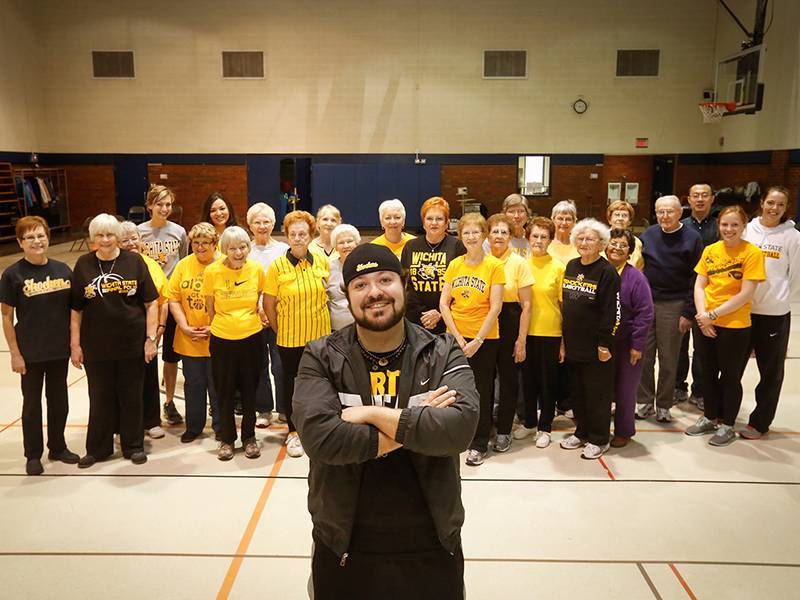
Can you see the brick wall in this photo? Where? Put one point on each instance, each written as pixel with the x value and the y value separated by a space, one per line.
pixel 91 191
pixel 193 183
pixel 489 184
pixel 574 182
pixel 630 169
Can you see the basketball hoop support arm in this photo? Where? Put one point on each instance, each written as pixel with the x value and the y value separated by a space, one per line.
pixel 757 36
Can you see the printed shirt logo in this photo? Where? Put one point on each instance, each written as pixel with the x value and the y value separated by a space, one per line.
pixel 363 266
pixel 427 270
pixel 468 283
pixel 772 251
pixel 579 287
pixel 194 297
pixel 384 387
pixel 109 283
pixel 160 250
pixel 36 288
pixel 733 267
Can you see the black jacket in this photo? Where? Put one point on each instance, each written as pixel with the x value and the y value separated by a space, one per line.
pixel 333 374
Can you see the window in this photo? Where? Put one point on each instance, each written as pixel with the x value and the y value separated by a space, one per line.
pixel 243 65
pixel 113 64
pixel 505 64
pixel 534 175
pixel 638 63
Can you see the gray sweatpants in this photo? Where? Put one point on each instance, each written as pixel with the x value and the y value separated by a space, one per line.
pixel 664 337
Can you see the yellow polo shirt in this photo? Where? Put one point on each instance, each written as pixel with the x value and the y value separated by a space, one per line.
pixel 546 304
pixel 396 248
pixel 471 287
pixel 235 293
pixel 186 287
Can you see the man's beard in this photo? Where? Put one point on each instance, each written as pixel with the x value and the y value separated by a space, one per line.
pixel 383 323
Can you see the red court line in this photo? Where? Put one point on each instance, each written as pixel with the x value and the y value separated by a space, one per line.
pixel 605 466
pixel 11 424
pixel 247 536
pixel 682 581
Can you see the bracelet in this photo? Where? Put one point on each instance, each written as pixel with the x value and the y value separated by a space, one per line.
pixel 160 326
pixel 712 314
pixel 478 339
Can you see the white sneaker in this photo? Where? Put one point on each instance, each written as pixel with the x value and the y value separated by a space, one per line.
pixel 570 414
pixel 282 417
pixel 591 451
pixel 521 432
pixel 572 442
pixel 263 419
pixel 294 447
pixel 543 439
pixel 155 433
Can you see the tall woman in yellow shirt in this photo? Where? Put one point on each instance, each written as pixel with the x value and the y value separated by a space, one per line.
pixel 232 289
pixel 296 305
pixel 727 275
pixel 472 297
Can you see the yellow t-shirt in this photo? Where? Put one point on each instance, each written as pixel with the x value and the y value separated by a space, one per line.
pixel 158 277
pixel 546 305
pixel 725 269
pixel 302 306
pixel 518 275
pixel 396 248
pixel 563 252
pixel 471 287
pixel 186 287
pixel 235 293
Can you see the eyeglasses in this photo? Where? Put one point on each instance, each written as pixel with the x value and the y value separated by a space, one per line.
pixel 201 243
pixel 666 212
pixel 618 246
pixel 34 238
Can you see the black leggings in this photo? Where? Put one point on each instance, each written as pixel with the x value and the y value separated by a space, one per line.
pixel 507 369
pixel 290 362
pixel 540 380
pixel 483 367
pixel 591 391
pixel 770 340
pixel 236 365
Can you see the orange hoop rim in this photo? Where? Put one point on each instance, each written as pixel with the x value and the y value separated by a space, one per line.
pixel 729 106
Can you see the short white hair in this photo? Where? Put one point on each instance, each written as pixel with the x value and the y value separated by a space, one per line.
pixel 104 223
pixel 260 208
pixel 565 206
pixel 128 227
pixel 344 228
pixel 673 199
pixel 590 224
pixel 234 235
pixel 393 204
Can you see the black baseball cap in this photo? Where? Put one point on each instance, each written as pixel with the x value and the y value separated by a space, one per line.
pixel 368 258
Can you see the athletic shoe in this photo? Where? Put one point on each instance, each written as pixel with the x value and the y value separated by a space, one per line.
pixel 171 414
pixel 543 439
pixel 521 432
pixel 263 419
pixel 251 449
pixel 619 442
pixel 64 456
pixel 643 411
pixel 569 414
pixel 697 401
pixel 238 409
pixel 475 458
pixel 187 437
pixel 502 443
pixel 572 442
pixel 751 433
pixel 34 466
pixel 592 451
pixel 700 404
pixel 282 417
pixel 138 458
pixel 663 415
pixel 225 451
pixel 724 436
pixel 86 461
pixel 155 433
pixel 701 427
pixel 680 395
pixel 294 447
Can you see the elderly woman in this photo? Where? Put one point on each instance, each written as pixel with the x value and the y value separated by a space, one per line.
pixel 514 320
pixel 296 305
pixel 425 260
pixel 113 329
pixel 345 238
pixel 636 305
pixel 218 211
pixel 564 215
pixel 540 372
pixel 590 307
pixel 166 243
pixel 515 207
pixel 261 221
pixel 187 303
pixel 619 215
pixel 131 241
pixel 328 217
pixel 35 289
pixel 232 289
pixel 392 215
pixel 471 300
pixel 727 276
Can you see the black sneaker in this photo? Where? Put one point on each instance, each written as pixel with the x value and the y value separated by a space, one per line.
pixel 64 456
pixel 86 461
pixel 188 437
pixel 34 467
pixel 171 414
pixel 138 458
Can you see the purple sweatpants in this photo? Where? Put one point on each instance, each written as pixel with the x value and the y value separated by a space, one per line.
pixel 627 381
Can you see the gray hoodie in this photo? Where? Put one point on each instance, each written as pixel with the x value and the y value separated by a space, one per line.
pixel 781 248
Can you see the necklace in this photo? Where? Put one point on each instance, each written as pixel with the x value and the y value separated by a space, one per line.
pixel 381 361
pixel 111 270
pixel 434 247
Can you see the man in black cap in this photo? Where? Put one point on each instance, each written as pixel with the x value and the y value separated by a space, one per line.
pixel 383 408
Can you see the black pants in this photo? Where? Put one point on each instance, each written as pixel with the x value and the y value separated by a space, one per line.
pixel 539 380
pixel 770 340
pixel 235 366
pixel 591 392
pixel 115 400
pixel 683 368
pixel 483 367
pixel 290 362
pixel 563 388
pixel 151 395
pixel 53 375
pixel 507 370
pixel 432 575
pixel 724 361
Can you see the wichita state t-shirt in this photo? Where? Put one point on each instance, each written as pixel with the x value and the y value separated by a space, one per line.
pixel 471 287
pixel 725 269
pixel 186 286
pixel 235 293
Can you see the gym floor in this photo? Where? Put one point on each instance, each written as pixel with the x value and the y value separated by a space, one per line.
pixel 666 517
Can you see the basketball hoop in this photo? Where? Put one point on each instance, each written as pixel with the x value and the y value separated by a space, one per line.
pixel 714 111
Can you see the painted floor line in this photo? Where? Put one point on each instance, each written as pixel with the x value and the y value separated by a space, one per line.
pixel 683 583
pixel 648 581
pixel 609 472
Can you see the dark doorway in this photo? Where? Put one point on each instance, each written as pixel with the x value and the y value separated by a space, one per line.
pixel 663 180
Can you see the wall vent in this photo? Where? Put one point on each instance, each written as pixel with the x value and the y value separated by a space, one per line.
pixel 638 63
pixel 243 65
pixel 505 64
pixel 113 64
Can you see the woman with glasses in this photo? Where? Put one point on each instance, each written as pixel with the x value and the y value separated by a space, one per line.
pixel 344 238
pixel 515 207
pixel 564 215
pixel 620 215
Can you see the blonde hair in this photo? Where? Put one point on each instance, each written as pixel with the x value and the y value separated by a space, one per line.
pixel 330 208
pixel 204 229
pixel 156 193
pixel 472 219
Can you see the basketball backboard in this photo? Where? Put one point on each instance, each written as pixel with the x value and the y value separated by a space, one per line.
pixel 740 79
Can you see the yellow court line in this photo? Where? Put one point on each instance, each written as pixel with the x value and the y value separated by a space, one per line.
pixel 247 536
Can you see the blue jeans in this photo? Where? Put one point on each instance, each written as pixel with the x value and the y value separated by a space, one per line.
pixel 264 397
pixel 198 384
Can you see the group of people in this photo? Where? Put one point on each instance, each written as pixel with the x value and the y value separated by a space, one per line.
pixel 563 314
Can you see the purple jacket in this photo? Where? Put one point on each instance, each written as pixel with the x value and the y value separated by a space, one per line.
pixel 636 304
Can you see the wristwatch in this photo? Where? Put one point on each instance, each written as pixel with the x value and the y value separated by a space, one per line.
pixel 152 338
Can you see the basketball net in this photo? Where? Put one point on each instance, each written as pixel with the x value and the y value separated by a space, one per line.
pixel 714 111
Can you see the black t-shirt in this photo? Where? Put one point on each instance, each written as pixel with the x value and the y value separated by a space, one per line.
pixel 392 515
pixel 40 295
pixel 113 325
pixel 425 264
